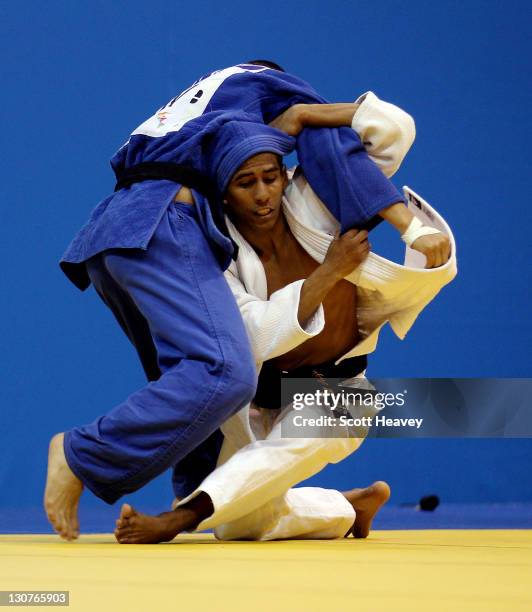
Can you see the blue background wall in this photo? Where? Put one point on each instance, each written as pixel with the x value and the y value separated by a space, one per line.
pixel 78 77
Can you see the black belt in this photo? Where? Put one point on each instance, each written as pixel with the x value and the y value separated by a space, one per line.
pixel 268 394
pixel 184 175
pixel 178 173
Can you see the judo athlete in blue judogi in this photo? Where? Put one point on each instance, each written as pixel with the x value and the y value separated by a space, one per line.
pixel 160 271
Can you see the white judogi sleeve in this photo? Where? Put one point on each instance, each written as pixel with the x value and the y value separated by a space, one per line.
pixel 386 131
pixel 272 325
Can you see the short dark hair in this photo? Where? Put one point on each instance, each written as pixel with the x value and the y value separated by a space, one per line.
pixel 266 64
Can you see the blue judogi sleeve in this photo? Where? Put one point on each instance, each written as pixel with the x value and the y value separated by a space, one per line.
pixel 336 165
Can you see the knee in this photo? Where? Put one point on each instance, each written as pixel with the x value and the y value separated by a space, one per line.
pixel 239 364
pixel 325 450
pixel 245 376
pixel 223 383
pixel 240 384
pixel 340 448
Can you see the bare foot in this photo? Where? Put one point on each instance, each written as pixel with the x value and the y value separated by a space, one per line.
pixel 136 528
pixel 62 493
pixel 366 502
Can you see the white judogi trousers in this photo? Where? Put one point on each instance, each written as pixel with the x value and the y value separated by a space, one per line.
pixel 251 487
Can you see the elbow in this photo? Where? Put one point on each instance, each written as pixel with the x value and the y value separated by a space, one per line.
pixel 401 136
pixel 408 132
pixel 402 133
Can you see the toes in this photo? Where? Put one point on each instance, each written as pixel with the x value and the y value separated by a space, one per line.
pixel 127 512
pixel 63 530
pixel 134 522
pixel 122 521
pixel 382 489
pixel 56 523
pixel 72 524
pixel 66 527
pixel 122 532
pixel 75 524
pixel 63 526
pixel 58 527
pixel 72 534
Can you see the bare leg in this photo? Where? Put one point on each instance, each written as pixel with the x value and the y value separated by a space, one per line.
pixel 366 502
pixel 136 528
pixel 62 493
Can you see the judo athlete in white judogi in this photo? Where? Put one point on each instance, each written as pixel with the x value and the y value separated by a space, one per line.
pixel 306 297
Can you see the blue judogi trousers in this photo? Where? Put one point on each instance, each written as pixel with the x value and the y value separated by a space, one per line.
pixel 175 306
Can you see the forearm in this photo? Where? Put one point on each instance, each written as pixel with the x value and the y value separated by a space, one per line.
pixel 397 215
pixel 272 325
pixel 313 292
pixel 327 115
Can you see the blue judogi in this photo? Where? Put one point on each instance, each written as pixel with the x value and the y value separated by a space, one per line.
pixel 158 266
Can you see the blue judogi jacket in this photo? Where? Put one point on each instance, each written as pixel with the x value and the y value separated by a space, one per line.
pixel 333 160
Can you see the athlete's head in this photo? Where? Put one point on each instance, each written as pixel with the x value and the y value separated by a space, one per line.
pixel 245 159
pixel 266 64
pixel 253 196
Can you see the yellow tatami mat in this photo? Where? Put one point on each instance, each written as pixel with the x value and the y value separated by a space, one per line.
pixel 392 570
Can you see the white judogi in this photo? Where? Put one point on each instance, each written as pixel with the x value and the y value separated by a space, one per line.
pixel 251 487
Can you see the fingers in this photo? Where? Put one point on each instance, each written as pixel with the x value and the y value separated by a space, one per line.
pixel 356 235
pixel 361 236
pixel 435 247
pixel 434 259
pixel 430 260
pixel 447 251
pixel 441 253
pixel 289 121
pixel 357 243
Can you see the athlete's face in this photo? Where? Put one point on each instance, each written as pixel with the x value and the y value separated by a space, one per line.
pixel 253 197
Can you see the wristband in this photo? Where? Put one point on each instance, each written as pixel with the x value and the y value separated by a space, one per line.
pixel 415 230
